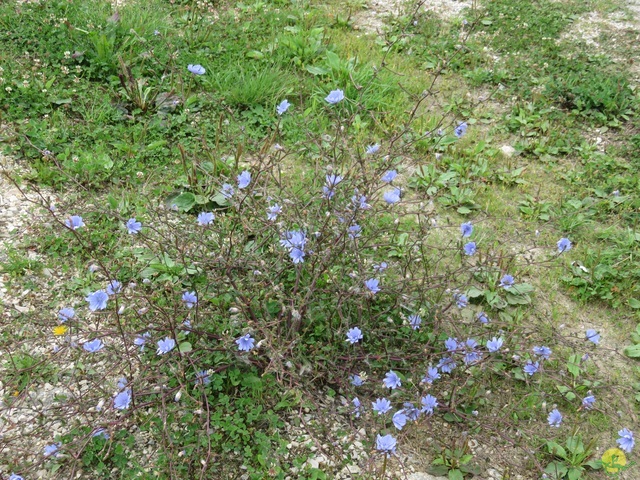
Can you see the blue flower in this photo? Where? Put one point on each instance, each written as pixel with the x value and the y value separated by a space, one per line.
pixel 66 313
pixel 335 96
pixel 451 344
pixel 140 340
pixel 415 321
pixel 357 410
pixel 273 212
pixel 392 380
pixel 122 383
pixel 447 364
pixel 283 106
pixel 593 336
pixel 564 245
pixel 297 255
pixel 97 300
pixel 555 418
pixel 52 450
pixel 372 285
pixel 469 248
pixel 495 344
pixel 626 440
pixel 227 190
pixel 386 444
pixel 202 378
pixel 482 317
pixel 133 226
pixel 196 69
pixel 332 180
pixel 74 222
pixel 354 335
pixel 544 352
pixel 431 376
pixel 360 201
pixel 429 403
pixel 356 380
pixel 187 326
pixel 461 300
pixel 466 229
pixel 411 411
pixel 399 419
pixel 381 267
pixel 381 405
pixel 389 176
pixel 506 282
pixel 371 149
pixel 471 355
pixel 190 299
pixel 101 432
pixel 15 476
pixel 530 368
pixel 588 402
pixel 460 130
pixel 122 400
pixel 392 196
pixel 354 231
pixel 93 346
pixel 293 239
pixel 205 218
pixel 244 179
pixel 245 343
pixel 114 287
pixel 166 345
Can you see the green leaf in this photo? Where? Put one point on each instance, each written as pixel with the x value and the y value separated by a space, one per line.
pixel 316 70
pixel 632 351
pixel 185 347
pixel 556 469
pixel 438 470
pixel 574 473
pixel 254 54
pixel 521 288
pixel 634 303
pixel 573 365
pixel 184 201
pixel 451 417
pixel 556 449
pixel 464 210
pixel 575 445
pixel 474 292
pixel 456 474
pixel 595 464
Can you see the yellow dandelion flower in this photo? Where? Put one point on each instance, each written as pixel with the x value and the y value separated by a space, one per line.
pixel 613 460
pixel 60 330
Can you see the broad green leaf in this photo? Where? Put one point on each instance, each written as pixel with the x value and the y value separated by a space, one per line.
pixel 634 303
pixel 595 464
pixel 255 54
pixel 316 70
pixel 184 201
pixel 456 474
pixel 474 292
pixel 185 347
pixel 573 365
pixel 574 473
pixel 632 351
pixel 556 469
pixel 556 449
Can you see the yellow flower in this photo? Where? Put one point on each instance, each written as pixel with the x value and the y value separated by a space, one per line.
pixel 613 460
pixel 60 330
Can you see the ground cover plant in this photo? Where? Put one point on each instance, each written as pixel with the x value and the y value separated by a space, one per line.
pixel 262 245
